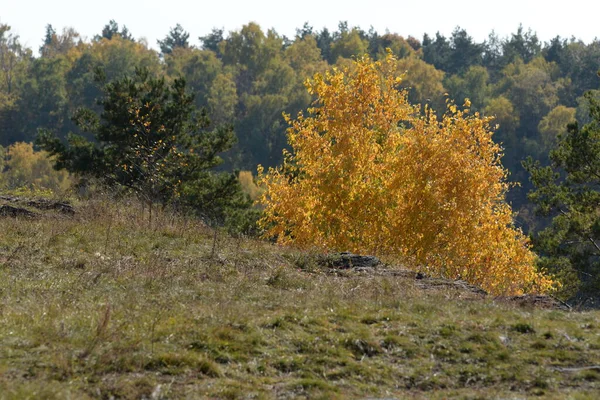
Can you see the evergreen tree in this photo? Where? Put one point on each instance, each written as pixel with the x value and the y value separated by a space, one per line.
pixel 49 37
pixel 523 45
pixel 212 40
pixel 569 192
pixel 324 41
pixel 177 37
pixel 151 140
pixel 306 30
pixel 112 29
pixel 465 52
pixel 57 44
pixel 436 52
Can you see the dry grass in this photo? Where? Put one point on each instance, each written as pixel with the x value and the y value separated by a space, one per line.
pixel 102 305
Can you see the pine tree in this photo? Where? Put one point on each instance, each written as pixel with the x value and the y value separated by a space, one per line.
pixel 569 191
pixel 177 38
pixel 151 140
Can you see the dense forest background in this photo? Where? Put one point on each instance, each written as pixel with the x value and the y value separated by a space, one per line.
pixel 248 78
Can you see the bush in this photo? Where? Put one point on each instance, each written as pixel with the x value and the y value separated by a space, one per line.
pixel 371 174
pixel 22 167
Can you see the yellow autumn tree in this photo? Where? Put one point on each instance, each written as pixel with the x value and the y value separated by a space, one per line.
pixel 373 174
pixel 23 167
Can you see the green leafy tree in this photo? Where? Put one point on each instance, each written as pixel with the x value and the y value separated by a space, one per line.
pixel 251 53
pixel 10 54
pixel 120 56
pixel 472 85
pixel 531 89
pixel 150 139
pixel 555 124
pixel 222 99
pixel 583 106
pixel 423 81
pixel 304 57
pixel 116 58
pixel 14 60
pixel 399 46
pixel 568 191
pixel 266 86
pixel 44 101
pixel 200 68
pixel 507 120
pixel 57 44
pixel 348 43
pixel 579 63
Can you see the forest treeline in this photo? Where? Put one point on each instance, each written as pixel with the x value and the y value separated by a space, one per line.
pixel 248 78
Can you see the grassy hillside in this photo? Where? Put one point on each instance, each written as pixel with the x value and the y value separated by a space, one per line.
pixel 101 305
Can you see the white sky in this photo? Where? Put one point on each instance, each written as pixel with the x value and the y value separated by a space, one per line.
pixel 152 19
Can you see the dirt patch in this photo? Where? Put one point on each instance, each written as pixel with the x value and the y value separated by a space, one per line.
pixel 348 264
pixel 460 286
pixel 537 301
pixel 15 212
pixel 22 207
pixel 10 199
pixel 348 260
pixel 44 204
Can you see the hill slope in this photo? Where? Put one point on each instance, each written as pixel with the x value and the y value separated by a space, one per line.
pixel 99 304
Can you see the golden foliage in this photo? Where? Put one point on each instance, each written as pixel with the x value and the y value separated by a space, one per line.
pixel 248 185
pixel 26 168
pixel 370 173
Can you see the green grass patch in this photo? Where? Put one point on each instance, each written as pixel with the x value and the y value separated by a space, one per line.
pixel 103 304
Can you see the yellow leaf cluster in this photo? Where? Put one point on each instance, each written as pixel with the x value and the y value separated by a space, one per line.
pixel 23 167
pixel 371 173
